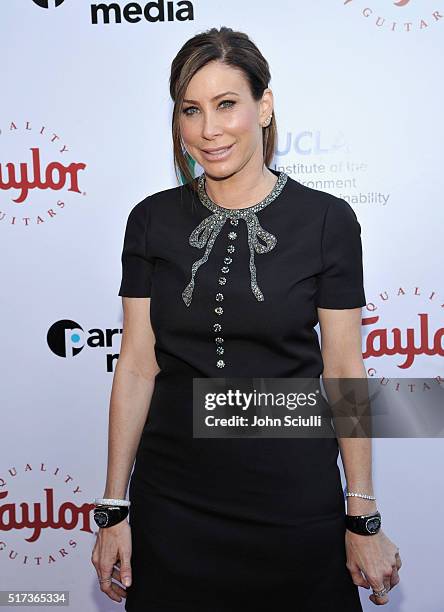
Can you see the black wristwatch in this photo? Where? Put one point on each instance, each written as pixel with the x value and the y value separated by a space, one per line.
pixel 107 516
pixel 364 524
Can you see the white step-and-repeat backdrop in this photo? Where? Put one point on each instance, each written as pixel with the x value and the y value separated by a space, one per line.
pixel 85 134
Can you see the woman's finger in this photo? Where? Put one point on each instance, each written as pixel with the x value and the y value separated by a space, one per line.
pixel 124 566
pixel 379 600
pixel 106 571
pixel 394 578
pixel 117 587
pixel 106 585
pixel 358 578
pixel 112 589
pixel 117 574
pixel 379 584
pixel 387 578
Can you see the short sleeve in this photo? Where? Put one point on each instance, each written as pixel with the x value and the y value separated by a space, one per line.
pixel 340 282
pixel 137 261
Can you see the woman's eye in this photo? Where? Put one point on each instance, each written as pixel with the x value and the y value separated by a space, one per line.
pixel 230 102
pixel 189 108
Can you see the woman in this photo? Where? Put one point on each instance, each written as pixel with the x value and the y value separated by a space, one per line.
pixel 233 524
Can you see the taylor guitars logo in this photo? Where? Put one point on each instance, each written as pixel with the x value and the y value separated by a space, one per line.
pixel 403 334
pixel 400 16
pixel 36 170
pixel 42 514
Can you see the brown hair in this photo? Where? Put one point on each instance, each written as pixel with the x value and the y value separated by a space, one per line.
pixel 233 49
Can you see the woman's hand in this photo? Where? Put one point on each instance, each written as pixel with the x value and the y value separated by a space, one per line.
pixel 378 559
pixel 113 547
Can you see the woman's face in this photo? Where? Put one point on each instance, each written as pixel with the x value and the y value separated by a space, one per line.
pixel 209 120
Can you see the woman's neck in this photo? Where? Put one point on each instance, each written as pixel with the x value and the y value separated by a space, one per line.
pixel 239 190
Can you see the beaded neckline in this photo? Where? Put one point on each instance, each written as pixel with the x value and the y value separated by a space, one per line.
pixel 236 213
pixel 206 232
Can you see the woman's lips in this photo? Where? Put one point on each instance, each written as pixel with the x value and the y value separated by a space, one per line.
pixel 218 155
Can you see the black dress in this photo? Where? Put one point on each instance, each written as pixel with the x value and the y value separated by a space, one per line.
pixel 231 524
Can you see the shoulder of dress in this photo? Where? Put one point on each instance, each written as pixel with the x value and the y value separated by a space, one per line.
pixel 167 194
pixel 165 199
pixel 319 200
pixel 155 206
pixel 310 194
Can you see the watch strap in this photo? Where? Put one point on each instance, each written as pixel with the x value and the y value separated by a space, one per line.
pixel 107 516
pixel 363 524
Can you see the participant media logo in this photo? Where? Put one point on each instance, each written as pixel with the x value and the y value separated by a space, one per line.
pixel 67 339
pixel 136 12
pixel 48 3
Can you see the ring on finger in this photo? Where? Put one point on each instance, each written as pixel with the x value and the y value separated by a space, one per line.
pixel 105 579
pixel 380 593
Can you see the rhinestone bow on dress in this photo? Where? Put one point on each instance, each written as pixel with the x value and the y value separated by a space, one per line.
pixel 207 231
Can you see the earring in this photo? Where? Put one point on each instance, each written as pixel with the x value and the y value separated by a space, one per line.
pixel 267 121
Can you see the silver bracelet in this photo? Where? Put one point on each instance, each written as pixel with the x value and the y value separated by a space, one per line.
pixel 363 495
pixel 107 501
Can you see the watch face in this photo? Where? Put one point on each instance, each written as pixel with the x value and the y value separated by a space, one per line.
pixel 373 524
pixel 101 518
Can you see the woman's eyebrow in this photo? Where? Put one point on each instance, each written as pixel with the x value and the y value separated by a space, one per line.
pixel 225 93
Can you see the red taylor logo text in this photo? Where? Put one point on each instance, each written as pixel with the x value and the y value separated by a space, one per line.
pixel 25 177
pixel 401 16
pixel 38 516
pixel 381 341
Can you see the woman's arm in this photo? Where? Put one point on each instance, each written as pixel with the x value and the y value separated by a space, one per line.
pixel 131 393
pixel 376 556
pixel 342 357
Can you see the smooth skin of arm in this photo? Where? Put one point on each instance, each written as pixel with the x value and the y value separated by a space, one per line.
pixel 376 556
pixel 131 393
